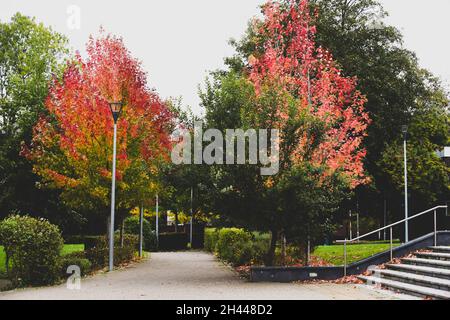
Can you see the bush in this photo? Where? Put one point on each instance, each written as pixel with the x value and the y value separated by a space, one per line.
pixel 132 227
pixel 75 259
pixel 211 237
pixel 97 250
pixel 33 247
pixel 173 241
pixel 235 246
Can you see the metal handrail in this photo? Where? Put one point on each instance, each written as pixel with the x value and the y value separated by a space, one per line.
pixel 346 241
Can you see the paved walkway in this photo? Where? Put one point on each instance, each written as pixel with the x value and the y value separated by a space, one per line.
pixel 190 276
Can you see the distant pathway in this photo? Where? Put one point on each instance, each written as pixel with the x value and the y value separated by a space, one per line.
pixel 190 276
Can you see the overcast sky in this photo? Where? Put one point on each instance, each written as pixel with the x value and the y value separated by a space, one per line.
pixel 178 41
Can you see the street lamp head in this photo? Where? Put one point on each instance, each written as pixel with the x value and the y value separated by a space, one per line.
pixel 404 129
pixel 116 110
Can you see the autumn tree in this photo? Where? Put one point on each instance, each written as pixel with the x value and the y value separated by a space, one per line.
pixel 72 147
pixel 400 92
pixel 290 84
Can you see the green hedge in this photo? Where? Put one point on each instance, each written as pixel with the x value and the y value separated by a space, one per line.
pixel 33 247
pixel 75 259
pixel 237 246
pixel 173 241
pixel 211 237
pixel 97 250
pixel 131 226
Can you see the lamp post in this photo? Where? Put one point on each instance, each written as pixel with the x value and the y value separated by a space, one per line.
pixel 157 222
pixel 116 109
pixel 192 216
pixel 405 137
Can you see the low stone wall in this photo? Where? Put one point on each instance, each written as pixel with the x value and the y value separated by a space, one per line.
pixel 290 274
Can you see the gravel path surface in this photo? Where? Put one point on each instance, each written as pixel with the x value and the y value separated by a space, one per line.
pixel 190 276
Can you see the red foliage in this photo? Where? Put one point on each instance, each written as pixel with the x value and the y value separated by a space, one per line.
pixel 81 125
pixel 291 59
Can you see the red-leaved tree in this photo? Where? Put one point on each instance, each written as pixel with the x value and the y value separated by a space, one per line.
pixel 290 61
pixel 72 146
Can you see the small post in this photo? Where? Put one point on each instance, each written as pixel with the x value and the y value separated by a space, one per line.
pixel 192 216
pixel 345 258
pixel 391 243
pixel 350 224
pixel 308 258
pixel 141 232
pixel 384 220
pixel 157 222
pixel 435 228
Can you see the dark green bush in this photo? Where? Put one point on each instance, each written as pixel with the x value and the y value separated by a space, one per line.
pixel 132 227
pixel 97 250
pixel 235 246
pixel 211 237
pixel 73 239
pixel 173 241
pixel 75 259
pixel 33 247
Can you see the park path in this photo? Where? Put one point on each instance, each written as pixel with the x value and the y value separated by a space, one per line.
pixel 189 276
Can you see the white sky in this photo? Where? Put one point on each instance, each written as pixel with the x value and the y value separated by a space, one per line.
pixel 179 41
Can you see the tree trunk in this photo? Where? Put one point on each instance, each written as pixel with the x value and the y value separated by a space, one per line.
pixel 283 249
pixel 273 243
pixel 108 227
pixel 176 221
pixel 122 229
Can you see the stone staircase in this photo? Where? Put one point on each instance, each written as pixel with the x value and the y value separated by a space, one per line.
pixel 426 274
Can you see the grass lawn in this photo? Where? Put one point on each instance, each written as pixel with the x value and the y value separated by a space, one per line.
pixel 334 254
pixel 2 262
pixel 70 248
pixel 67 249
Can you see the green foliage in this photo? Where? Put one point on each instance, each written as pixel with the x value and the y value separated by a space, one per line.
pixel 211 237
pixel 30 55
pixel 132 227
pixel 75 259
pixel 399 92
pixel 237 246
pixel 33 246
pixel 173 241
pixel 2 263
pixel 301 199
pixel 97 250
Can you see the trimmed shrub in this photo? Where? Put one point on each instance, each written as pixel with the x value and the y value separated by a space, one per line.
pixel 131 226
pixel 75 259
pixel 198 235
pixel 73 239
pixel 211 237
pixel 97 250
pixel 173 241
pixel 235 246
pixel 33 247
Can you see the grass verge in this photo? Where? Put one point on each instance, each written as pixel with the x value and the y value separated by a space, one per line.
pixel 334 254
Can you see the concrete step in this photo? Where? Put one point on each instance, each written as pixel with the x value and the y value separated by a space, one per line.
pixel 426 271
pixel 420 291
pixel 440 249
pixel 415 279
pixel 433 255
pixel 427 263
